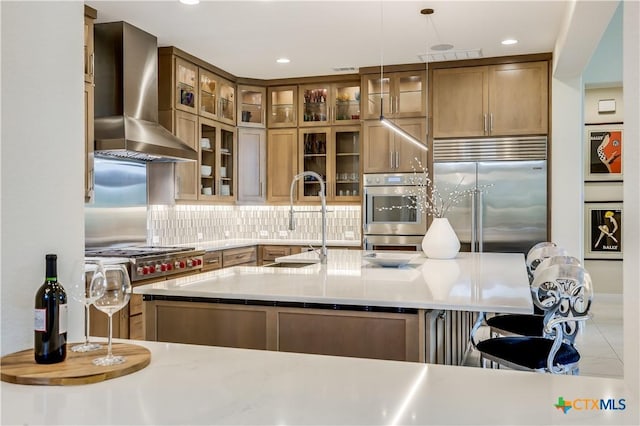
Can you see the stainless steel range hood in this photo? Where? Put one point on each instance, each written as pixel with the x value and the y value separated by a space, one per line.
pixel 126 98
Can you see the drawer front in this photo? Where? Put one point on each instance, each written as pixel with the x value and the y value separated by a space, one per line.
pixel 212 260
pixel 238 256
pixel 136 327
pixel 271 253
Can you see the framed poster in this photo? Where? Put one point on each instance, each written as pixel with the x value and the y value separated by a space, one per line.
pixel 603 159
pixel 603 231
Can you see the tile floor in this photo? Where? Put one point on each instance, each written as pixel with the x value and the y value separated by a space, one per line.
pixel 600 343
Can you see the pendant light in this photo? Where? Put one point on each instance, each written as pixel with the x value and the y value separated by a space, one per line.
pixel 386 122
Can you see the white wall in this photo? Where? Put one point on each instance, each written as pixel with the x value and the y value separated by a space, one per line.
pixel 42 162
pixel 631 269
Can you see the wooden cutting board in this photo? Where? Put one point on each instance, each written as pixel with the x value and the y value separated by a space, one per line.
pixel 76 369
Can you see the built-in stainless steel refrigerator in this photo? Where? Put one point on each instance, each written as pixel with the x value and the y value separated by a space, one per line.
pixel 507 177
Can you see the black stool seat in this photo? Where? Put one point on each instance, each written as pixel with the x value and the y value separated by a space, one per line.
pixel 523 325
pixel 530 352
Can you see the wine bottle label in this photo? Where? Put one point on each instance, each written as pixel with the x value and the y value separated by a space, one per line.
pixel 62 319
pixel 40 320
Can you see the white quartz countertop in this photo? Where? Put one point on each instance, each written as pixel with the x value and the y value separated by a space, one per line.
pixel 237 243
pixel 189 384
pixel 490 282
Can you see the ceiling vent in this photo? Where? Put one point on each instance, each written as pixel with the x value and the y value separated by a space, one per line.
pixel 451 55
pixel 345 69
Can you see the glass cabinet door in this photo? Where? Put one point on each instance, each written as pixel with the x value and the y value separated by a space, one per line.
pixel 251 106
pixel 227 112
pixel 227 163
pixel 315 104
pixel 346 107
pixel 409 94
pixel 347 163
pixel 208 142
pixel 186 86
pixel 376 90
pixel 282 106
pixel 208 94
pixel 314 144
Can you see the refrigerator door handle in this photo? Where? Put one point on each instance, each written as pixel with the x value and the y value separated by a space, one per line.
pixel 480 237
pixel 473 222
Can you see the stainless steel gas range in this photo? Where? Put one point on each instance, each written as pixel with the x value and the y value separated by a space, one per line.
pixel 154 262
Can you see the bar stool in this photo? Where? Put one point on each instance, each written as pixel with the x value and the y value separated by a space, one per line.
pixel 564 291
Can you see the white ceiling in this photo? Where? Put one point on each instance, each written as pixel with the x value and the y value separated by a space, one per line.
pixel 246 37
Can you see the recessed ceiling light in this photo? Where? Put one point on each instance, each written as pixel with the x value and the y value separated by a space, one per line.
pixel 509 41
pixel 441 47
pixel 190 2
pixel 283 60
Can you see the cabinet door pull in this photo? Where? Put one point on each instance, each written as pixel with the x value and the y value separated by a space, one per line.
pixel 484 122
pixel 391 159
pixel 491 122
pixel 397 104
pixel 397 159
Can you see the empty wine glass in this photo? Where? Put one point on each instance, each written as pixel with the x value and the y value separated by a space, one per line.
pixel 83 275
pixel 116 292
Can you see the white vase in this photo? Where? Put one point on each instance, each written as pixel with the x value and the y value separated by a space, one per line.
pixel 440 241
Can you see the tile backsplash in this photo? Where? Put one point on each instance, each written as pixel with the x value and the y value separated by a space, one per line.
pixel 182 224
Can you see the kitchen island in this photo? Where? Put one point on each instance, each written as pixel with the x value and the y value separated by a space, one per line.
pixel 191 384
pixel 420 312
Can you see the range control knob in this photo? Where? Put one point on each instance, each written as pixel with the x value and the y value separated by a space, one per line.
pixel 163 267
pixel 152 269
pixel 145 270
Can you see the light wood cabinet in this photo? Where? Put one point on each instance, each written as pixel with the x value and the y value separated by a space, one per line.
pixel 399 94
pixel 333 153
pixel 282 163
pixel 88 142
pixel 282 106
pixel 218 157
pixel 494 100
pixel 252 106
pixel 90 15
pixel 217 97
pixel 186 173
pixel 252 165
pixel 239 256
pixel 212 260
pixel 329 103
pixel 365 334
pixel 186 86
pixel 386 152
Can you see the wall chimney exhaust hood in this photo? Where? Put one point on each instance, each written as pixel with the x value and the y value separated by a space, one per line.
pixel 126 98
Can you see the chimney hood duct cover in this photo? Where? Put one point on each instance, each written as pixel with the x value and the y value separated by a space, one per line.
pixel 126 98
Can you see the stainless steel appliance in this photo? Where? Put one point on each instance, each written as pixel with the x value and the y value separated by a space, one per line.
pixel 385 228
pixel 507 211
pixel 153 262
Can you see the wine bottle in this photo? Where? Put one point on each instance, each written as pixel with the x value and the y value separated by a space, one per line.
pixel 50 332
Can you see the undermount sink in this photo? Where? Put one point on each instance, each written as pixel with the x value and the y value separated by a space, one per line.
pixel 290 264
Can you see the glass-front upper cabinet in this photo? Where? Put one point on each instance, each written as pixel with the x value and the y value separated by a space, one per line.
pixel 186 86
pixel 322 104
pixel 314 145
pixel 282 106
pixel 208 94
pixel 227 162
pixel 217 161
pixel 251 111
pixel 400 94
pixel 227 112
pixel 346 160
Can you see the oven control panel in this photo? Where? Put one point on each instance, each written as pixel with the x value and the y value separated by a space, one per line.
pixel 393 179
pixel 160 267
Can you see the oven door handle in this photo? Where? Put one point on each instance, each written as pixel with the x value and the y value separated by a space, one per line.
pixel 365 215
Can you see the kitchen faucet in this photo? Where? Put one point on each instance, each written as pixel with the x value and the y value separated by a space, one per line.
pixel 323 200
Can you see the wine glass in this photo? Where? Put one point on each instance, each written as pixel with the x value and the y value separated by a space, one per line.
pixel 116 292
pixel 80 291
